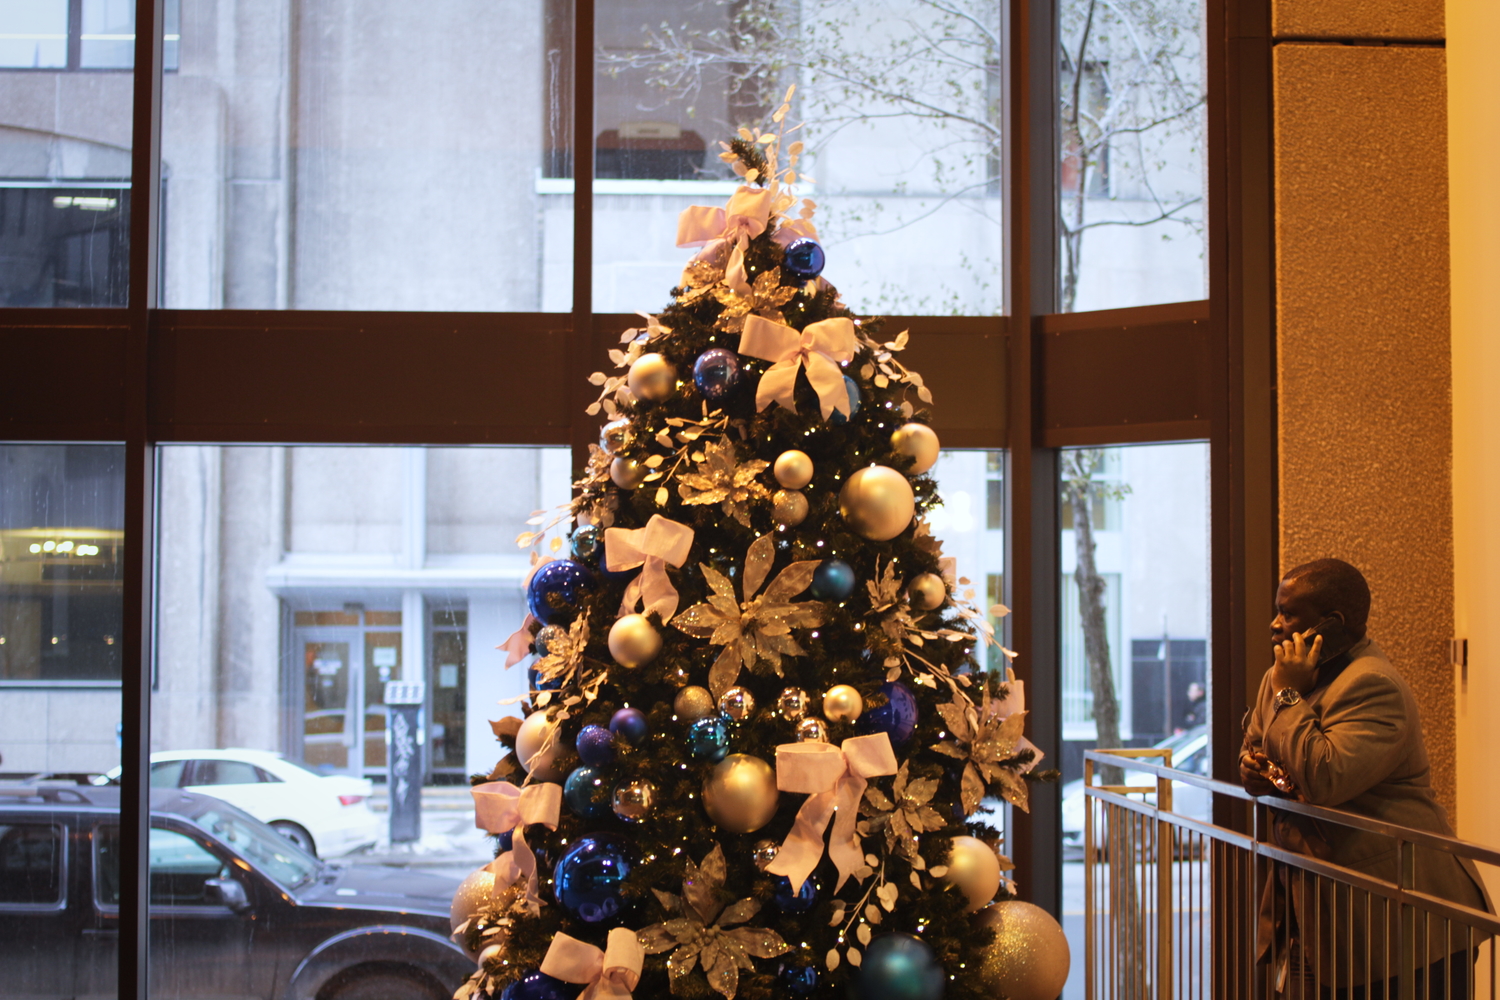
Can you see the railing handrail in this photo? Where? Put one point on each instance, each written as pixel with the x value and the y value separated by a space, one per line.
pixel 1421 838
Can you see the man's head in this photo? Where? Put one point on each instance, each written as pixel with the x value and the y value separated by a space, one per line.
pixel 1324 588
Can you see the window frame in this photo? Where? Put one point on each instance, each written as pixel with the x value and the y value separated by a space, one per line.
pixel 1201 370
pixel 64 848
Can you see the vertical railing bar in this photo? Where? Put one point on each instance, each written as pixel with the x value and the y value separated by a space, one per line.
pixel 1090 911
pixel 1407 929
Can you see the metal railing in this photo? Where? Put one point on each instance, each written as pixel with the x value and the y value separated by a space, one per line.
pixel 1176 906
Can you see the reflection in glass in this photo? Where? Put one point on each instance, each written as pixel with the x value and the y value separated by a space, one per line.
pixel 33 34
pixel 1132 182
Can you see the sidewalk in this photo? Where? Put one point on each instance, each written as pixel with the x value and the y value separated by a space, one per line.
pixel 449 837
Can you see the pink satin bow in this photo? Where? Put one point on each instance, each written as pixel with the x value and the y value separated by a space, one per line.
pixel 499 808
pixel 660 543
pixel 610 974
pixel 819 348
pixel 736 225
pixel 794 229
pixel 834 780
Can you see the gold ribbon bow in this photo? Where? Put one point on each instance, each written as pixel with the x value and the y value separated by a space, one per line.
pixel 660 543
pixel 500 808
pixel 713 229
pixel 819 349
pixel 610 974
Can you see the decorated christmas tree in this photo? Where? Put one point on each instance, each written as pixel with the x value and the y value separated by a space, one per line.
pixel 759 736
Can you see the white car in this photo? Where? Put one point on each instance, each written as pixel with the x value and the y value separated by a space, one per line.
pixel 1189 753
pixel 324 814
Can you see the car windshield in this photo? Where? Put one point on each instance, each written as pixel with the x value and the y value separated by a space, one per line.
pixel 263 847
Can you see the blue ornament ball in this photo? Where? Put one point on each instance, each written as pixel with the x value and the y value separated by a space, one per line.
pixel 797 979
pixel 897 718
pixel 833 580
pixel 540 683
pixel 899 967
pixel 630 725
pixel 837 417
pixel 554 592
pixel 708 739
pixel 586 793
pixel 506 841
pixel 589 879
pixel 799 902
pixel 596 746
pixel 804 258
pixel 537 985
pixel 717 374
pixel 587 541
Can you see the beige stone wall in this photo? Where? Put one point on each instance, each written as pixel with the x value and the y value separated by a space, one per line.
pixel 1363 341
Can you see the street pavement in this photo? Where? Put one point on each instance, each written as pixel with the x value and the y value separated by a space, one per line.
pixel 450 843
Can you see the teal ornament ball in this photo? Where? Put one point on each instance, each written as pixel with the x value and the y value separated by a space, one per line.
pixel 708 739
pixel 833 580
pixel 899 967
pixel 587 541
pixel 836 417
pixel 586 794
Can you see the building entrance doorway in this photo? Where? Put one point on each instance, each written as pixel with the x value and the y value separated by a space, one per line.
pixel 346 659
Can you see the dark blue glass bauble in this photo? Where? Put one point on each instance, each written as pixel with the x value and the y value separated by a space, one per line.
pixel 797 979
pixel 587 541
pixel 540 683
pixel 506 841
pixel 586 793
pixel 717 374
pixel 630 725
pixel 596 746
pixel 799 902
pixel 708 739
pixel 589 878
pixel 555 590
pixel 833 580
pixel 837 417
pixel 537 985
pixel 897 718
pixel 804 258
pixel 898 967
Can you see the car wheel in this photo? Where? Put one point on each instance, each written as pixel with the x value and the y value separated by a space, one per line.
pixel 382 981
pixel 296 834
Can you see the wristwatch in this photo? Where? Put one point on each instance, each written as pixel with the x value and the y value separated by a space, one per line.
pixel 1287 697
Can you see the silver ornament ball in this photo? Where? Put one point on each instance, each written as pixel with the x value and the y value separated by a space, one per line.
pixel 926 591
pixel 791 704
pixel 546 636
pixel 877 502
pixel 634 800
pixel 737 703
pixel 812 730
pixel 652 377
pixel 633 640
pixel 789 507
pixel 842 703
pixel 628 473
pixel 740 793
pixel 693 703
pixel 793 469
pixel 617 436
pixel 917 442
pixel 764 852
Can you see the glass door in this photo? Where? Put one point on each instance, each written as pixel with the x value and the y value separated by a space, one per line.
pixel 328 723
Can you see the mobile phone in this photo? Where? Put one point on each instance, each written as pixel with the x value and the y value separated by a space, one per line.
pixel 1336 640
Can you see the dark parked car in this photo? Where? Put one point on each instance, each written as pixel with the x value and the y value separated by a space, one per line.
pixel 237 910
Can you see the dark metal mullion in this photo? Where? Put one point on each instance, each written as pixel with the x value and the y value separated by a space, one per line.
pixel 75 34
pixel 135 689
pixel 581 343
pixel 1032 542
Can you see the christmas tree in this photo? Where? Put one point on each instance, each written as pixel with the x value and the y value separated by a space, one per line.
pixel 759 734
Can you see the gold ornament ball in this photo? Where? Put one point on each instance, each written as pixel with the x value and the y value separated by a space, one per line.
pixel 1029 958
pixel 740 793
pixel 793 469
pixel 535 733
pixel 842 703
pixel 694 703
pixel 617 436
pixel 878 503
pixel 975 869
pixel 789 507
pixel 917 442
pixel 926 592
pixel 652 377
pixel 737 703
pixel 628 473
pixel 473 894
pixel 812 730
pixel 633 640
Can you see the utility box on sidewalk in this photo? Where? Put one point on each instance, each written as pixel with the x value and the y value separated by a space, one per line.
pixel 404 744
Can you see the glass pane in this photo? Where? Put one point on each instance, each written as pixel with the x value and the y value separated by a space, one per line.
pixel 31 865
pixel 369 155
pixel 108 37
pixel 901 105
pixel 1134 640
pixel 33 34
pixel 1132 182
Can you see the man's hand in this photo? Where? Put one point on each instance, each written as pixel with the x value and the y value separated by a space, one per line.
pixel 1296 663
pixel 1252 773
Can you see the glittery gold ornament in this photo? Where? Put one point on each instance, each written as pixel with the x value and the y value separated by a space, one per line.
pixel 633 640
pixel 789 507
pixel 791 704
pixel 693 703
pixel 617 436
pixel 740 793
pixel 628 473
pixel 974 867
pixel 812 730
pixel 793 469
pixel 652 377
pixel 918 442
pixel 926 592
pixel 473 895
pixel 842 703
pixel 737 703
pixel 878 502
pixel 1029 957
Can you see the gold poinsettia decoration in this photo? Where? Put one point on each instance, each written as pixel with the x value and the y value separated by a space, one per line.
pixel 719 477
pixel 563 659
pixel 704 932
pixel 760 627
pixel 699 279
pixel 985 741
pixel 766 298
pixel 904 813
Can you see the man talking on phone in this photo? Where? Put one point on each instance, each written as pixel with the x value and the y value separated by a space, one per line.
pixel 1335 725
